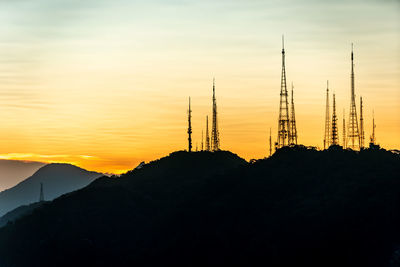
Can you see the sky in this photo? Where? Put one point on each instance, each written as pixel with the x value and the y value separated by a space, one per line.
pixel 105 84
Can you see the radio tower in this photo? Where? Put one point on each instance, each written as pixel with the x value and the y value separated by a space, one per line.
pixel 270 143
pixel 327 119
pixel 344 130
pixel 214 130
pixel 41 196
pixel 352 134
pixel 207 136
pixel 362 137
pixel 372 137
pixel 293 129
pixel 202 143
pixel 189 131
pixel 283 124
pixel 334 136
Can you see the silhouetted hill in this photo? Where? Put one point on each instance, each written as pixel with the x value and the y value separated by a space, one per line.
pixel 298 208
pixel 57 179
pixel 19 212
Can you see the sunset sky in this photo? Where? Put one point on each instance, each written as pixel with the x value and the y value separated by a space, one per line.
pixel 105 84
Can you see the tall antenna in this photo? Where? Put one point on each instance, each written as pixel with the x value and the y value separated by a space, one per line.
pixel 293 129
pixel 189 131
pixel 353 137
pixel 214 131
pixel 270 142
pixel 362 137
pixel 372 137
pixel 283 122
pixel 344 130
pixel 207 136
pixel 327 119
pixel 334 136
pixel 41 196
pixel 202 143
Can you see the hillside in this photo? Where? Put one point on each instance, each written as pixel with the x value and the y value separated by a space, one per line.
pixel 299 207
pixel 57 179
pixel 15 171
pixel 19 212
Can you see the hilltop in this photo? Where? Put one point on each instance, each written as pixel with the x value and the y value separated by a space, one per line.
pixel 57 179
pixel 299 207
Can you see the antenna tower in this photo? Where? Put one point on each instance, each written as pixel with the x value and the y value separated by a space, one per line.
pixel 362 136
pixel 293 129
pixel 202 143
pixel 189 131
pixel 372 137
pixel 334 136
pixel 353 136
pixel 41 196
pixel 327 119
pixel 283 123
pixel 344 130
pixel 270 142
pixel 214 131
pixel 207 136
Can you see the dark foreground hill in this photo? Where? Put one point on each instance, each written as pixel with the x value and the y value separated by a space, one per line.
pixel 299 208
pixel 57 179
pixel 19 212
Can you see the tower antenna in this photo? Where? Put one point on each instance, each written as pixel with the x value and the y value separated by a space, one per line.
pixel 207 136
pixel 270 142
pixel 372 137
pixel 334 135
pixel 327 119
pixel 41 196
pixel 362 136
pixel 215 142
pixel 189 131
pixel 202 143
pixel 344 130
pixel 283 121
pixel 293 129
pixel 353 136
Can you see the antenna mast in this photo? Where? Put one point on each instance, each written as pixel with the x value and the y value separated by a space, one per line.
pixel 207 136
pixel 41 196
pixel 189 131
pixel 353 134
pixel 334 136
pixel 327 119
pixel 283 122
pixel 372 137
pixel 214 131
pixel 270 142
pixel 362 137
pixel 344 130
pixel 293 129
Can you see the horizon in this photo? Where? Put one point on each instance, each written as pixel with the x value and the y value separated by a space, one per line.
pixel 102 86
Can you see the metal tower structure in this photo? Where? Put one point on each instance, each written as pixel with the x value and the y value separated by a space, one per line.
pixel 344 130
pixel 353 136
pixel 207 136
pixel 41 196
pixel 372 137
pixel 362 136
pixel 189 131
pixel 293 129
pixel 202 142
pixel 327 119
pixel 270 142
pixel 215 142
pixel 334 135
pixel 283 122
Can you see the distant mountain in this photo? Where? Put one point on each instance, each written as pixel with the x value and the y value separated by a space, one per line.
pixel 19 212
pixel 57 179
pixel 300 207
pixel 14 171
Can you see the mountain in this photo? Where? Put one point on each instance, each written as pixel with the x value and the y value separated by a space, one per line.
pixel 15 171
pixel 300 207
pixel 19 212
pixel 57 179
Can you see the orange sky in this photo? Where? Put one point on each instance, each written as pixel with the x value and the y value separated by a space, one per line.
pixel 105 85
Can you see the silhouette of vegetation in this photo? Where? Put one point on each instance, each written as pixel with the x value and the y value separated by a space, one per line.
pixel 299 207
